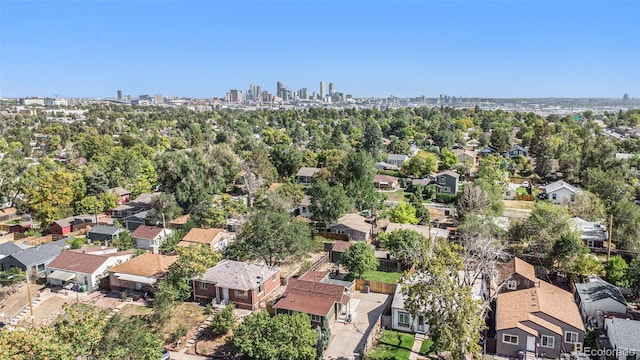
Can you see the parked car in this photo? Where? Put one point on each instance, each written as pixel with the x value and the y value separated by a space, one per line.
pixel 165 355
pixel 524 184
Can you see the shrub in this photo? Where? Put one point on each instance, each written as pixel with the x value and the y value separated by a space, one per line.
pixel 446 198
pixel 223 320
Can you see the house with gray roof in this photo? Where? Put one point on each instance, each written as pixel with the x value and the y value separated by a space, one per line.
pixel 596 297
pixel 623 337
pixel 381 165
pixel 560 192
pixel 7 249
pixel 354 225
pixel 447 182
pixel 592 233
pixel 103 233
pixel 34 260
pixel 243 284
pixel 305 175
pixel 133 221
pixel 397 159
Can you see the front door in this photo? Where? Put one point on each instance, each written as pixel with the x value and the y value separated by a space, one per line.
pixel 531 343
pixel 421 323
pixel 225 294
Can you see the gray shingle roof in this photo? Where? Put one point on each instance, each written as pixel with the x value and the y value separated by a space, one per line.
pixel 106 230
pixel 626 333
pixel 307 171
pixel 238 275
pixel 9 248
pixel 38 254
pixel 597 289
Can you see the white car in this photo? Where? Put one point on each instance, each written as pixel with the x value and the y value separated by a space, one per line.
pixel 524 184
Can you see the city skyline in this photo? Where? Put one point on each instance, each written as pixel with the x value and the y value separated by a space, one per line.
pixel 376 49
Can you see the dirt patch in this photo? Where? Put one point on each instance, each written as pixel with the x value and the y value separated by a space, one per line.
pixel 513 204
pixel 48 310
pixel 16 300
pixel 214 346
pixel 135 310
pixel 185 320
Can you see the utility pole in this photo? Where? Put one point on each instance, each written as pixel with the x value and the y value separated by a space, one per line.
pixel 610 234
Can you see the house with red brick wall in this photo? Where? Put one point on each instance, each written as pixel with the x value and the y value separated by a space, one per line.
pixel 245 285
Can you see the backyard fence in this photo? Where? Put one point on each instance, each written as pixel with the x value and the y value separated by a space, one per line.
pixel 375 286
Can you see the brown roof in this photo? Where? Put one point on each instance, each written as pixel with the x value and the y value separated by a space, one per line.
pixel 516 266
pixel 8 211
pixel 314 276
pixel 384 178
pixel 146 265
pixel 311 297
pixel 354 221
pixel 518 309
pixel 180 220
pixel 81 262
pixel 120 191
pixel 146 232
pixel 340 246
pixel 203 236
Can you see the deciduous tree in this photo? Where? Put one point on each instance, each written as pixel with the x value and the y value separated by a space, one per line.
pixel 358 259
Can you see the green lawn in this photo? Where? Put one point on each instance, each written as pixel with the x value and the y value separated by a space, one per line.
pixel 425 349
pixel 398 195
pixel 522 190
pixel 393 345
pixel 381 276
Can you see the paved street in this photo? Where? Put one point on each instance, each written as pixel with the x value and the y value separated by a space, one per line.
pixel 349 339
pixel 179 356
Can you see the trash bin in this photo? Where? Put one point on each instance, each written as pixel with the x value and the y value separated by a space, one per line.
pixel 367 289
pixel 84 288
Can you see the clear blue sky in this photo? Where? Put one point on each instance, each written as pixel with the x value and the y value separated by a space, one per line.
pixel 367 48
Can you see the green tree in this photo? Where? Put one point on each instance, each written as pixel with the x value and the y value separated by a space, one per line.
pixel 223 320
pixel 273 237
pixel 50 196
pixel 260 337
pixel 287 159
pixel 587 206
pixel 123 241
pixel 545 225
pixel 328 203
pixel 422 213
pixel 358 259
pixel 492 169
pixel 448 159
pixel 192 261
pixel 616 270
pixel 633 275
pixel 500 139
pixel 421 164
pixel 402 244
pixel 626 226
pixel 163 205
pixel 89 205
pixel 129 339
pixel 403 213
pixel 372 138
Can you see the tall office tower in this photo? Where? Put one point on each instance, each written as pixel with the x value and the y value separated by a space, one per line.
pixel 332 89
pixel 257 93
pixel 279 88
pixel 158 99
pixel 120 95
pixel 322 90
pixel 303 93
pixel 235 96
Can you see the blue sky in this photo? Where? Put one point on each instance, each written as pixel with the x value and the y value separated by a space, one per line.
pixel 367 48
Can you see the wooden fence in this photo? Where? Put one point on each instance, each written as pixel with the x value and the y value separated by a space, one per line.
pixel 524 197
pixel 375 286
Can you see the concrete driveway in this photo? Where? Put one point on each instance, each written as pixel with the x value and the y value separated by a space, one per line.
pixel 350 339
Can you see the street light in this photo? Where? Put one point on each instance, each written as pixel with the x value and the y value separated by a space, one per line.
pixel 28 295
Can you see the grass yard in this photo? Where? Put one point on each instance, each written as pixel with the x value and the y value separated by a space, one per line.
pixel 425 348
pixel 393 345
pixel 522 190
pixel 135 310
pixel 381 276
pixel 398 195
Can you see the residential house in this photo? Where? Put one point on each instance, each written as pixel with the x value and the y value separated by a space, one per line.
pixel 103 233
pixel 510 193
pixel 34 260
pixel 543 320
pixel 560 192
pixel 514 275
pixel 8 213
pixel 623 338
pixel 517 150
pixel 245 285
pixel 486 151
pixel 141 203
pixel 593 233
pixel 447 182
pixel 7 249
pixel 353 225
pixel 140 273
pixel 595 297
pixel 385 166
pixel 426 231
pixel 180 221
pixel 320 301
pixel 338 248
pixel 472 144
pixel 217 239
pixel 304 208
pixel 466 157
pixel 74 223
pixel 132 222
pixel 402 320
pixel 397 159
pixel 150 237
pixel 123 195
pixel 385 182
pixel 83 268
pixel 305 175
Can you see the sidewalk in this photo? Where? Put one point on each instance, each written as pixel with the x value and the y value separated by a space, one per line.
pixel 417 344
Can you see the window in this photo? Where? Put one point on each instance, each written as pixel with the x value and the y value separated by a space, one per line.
pixel 446 189
pixel 573 197
pixel 203 286
pixel 40 267
pixel 510 339
pixel 273 278
pixel 261 289
pixel 512 285
pixel 316 318
pixel 553 196
pixel 546 341
pixel 570 337
pixel 138 286
pixel 590 243
pixel 442 180
pixel 403 319
pixel 240 294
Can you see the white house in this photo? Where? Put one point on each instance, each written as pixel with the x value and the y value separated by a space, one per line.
pixel 623 336
pixel 597 296
pixel 304 209
pixel 402 320
pixel 150 237
pixel 511 192
pixel 83 267
pixel 560 192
